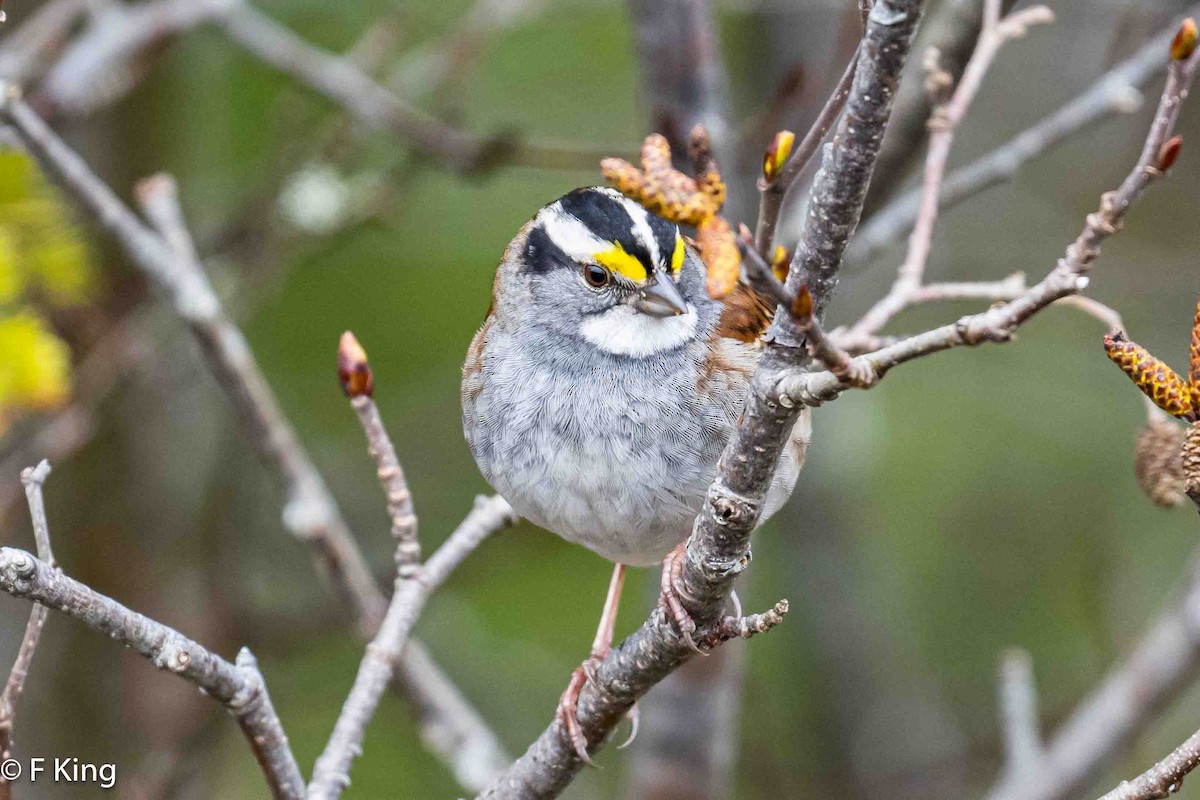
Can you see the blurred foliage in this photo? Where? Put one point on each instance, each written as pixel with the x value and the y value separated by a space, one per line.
pixel 43 265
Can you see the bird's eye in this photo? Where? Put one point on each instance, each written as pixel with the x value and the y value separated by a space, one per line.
pixel 596 276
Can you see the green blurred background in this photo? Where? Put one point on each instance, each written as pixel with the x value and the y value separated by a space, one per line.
pixel 974 501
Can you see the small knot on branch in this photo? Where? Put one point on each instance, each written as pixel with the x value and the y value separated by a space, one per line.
pixel 728 628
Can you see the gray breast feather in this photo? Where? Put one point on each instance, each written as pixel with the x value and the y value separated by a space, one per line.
pixel 615 459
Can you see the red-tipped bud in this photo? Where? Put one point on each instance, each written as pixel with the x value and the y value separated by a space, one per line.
pixel 1184 43
pixel 1169 152
pixel 802 306
pixel 354 373
pixel 777 154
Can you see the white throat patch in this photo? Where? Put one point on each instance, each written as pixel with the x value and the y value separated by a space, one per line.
pixel 624 331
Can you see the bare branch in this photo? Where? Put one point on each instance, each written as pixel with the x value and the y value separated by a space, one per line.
pixel 1069 276
pixel 840 186
pixel 1134 692
pixel 943 124
pixel 1116 92
pixel 357 381
pixel 331 774
pixel 952 29
pixel 774 193
pixel 311 514
pixel 239 687
pixel 451 728
pixel 1017 693
pixel 1163 779
pixel 34 479
pixel 719 545
pixel 349 87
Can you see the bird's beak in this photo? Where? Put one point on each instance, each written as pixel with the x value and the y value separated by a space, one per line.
pixel 660 297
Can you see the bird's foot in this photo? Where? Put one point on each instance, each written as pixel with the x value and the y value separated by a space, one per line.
pixel 672 571
pixel 568 708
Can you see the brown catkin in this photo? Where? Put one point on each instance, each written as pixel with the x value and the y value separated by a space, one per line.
pixel 1191 462
pixel 1158 463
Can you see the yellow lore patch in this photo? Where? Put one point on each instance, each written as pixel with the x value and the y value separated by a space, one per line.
pixel 620 262
pixel 677 256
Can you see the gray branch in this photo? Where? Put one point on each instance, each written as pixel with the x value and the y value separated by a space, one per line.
pixel 331 774
pixel 719 546
pixel 953 29
pixel 1163 779
pixel 1067 279
pixel 239 687
pixel 1162 664
pixel 311 513
pixel 840 186
pixel 34 478
pixel 1116 92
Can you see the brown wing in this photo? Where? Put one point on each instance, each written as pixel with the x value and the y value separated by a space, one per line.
pixel 745 317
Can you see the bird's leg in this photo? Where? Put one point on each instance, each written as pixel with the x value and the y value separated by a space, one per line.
pixel 568 705
pixel 672 571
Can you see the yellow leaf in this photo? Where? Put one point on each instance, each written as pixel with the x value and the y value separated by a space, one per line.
pixel 34 364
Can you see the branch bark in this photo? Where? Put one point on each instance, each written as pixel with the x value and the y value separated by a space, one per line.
pixel 34 478
pixel 239 687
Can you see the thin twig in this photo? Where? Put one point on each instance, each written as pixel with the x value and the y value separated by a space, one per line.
pixel 1163 779
pixel 944 124
pixel 349 87
pixel 331 774
pixel 357 381
pixel 774 193
pixel 377 107
pixel 239 687
pixel 1069 276
pixel 34 479
pixel 1115 93
pixel 719 545
pixel 953 30
pixel 840 186
pixel 311 514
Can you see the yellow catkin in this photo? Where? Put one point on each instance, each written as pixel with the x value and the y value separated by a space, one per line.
pixel 1156 380
pixel 684 200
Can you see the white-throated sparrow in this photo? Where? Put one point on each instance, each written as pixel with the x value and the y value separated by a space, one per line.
pixel 604 384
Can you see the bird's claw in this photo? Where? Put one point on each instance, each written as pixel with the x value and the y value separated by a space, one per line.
pixel 671 574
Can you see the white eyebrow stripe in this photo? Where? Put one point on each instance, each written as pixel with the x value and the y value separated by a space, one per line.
pixel 641 228
pixel 572 236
